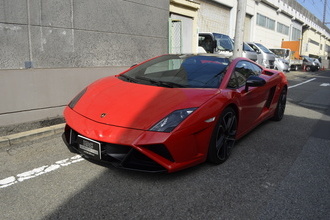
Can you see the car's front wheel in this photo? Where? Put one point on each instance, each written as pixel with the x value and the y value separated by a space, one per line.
pixel 223 137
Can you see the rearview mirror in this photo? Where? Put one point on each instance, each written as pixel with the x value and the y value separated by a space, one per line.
pixel 254 81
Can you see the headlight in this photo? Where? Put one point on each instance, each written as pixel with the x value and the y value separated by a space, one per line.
pixel 170 122
pixel 76 99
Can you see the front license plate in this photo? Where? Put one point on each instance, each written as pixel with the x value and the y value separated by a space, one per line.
pixel 89 147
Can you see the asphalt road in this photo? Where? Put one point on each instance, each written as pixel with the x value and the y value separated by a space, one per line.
pixel 281 170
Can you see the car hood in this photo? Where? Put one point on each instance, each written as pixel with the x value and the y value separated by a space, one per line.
pixel 124 104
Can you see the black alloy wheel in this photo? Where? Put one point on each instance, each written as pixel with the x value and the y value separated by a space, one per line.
pixel 223 137
pixel 279 112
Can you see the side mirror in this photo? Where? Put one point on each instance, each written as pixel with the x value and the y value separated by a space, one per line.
pixel 254 81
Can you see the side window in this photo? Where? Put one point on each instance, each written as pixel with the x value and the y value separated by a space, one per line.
pixel 243 70
pixel 206 42
pixel 232 84
pixel 256 69
pixel 254 48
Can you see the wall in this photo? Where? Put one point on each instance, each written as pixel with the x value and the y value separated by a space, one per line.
pixel 36 94
pixel 80 33
pixel 267 37
pixel 64 37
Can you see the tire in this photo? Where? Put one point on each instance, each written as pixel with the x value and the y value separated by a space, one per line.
pixel 223 137
pixel 280 108
pixel 308 68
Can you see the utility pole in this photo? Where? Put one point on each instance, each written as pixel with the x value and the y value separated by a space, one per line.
pixel 239 29
pixel 324 10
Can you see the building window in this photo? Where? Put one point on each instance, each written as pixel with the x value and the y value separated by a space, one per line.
pixel 265 22
pixel 296 34
pixel 327 48
pixel 281 28
pixel 306 47
pixel 313 42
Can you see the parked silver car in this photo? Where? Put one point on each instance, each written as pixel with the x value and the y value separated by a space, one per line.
pixel 309 64
pixel 318 63
pixel 249 53
pixel 265 57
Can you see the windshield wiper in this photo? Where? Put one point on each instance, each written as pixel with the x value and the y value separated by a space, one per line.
pixel 171 84
pixel 147 79
pixel 128 78
pixel 161 83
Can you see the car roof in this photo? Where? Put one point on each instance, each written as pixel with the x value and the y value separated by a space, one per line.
pixel 200 54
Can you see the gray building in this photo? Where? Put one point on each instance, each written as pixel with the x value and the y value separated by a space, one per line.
pixel 48 46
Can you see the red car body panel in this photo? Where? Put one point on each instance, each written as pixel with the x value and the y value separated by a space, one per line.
pixel 121 113
pixel 136 106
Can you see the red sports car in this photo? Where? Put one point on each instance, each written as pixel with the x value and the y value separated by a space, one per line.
pixel 173 111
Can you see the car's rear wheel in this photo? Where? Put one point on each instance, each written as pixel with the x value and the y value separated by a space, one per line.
pixel 223 137
pixel 280 108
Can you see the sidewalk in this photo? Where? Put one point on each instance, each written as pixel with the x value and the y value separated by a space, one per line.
pixel 17 134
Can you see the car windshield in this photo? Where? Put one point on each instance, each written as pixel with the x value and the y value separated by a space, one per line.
pixel 175 71
pixel 263 48
pixel 224 43
pixel 283 53
pixel 308 59
pixel 246 47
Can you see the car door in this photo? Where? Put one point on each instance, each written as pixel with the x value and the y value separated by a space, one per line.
pixel 252 101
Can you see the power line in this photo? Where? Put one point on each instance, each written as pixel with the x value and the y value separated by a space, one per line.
pixel 312 2
pixel 320 13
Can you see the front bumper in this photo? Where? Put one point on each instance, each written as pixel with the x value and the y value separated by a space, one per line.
pixel 120 156
pixel 137 149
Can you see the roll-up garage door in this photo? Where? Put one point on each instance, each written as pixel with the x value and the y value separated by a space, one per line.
pixel 213 17
pixel 247 28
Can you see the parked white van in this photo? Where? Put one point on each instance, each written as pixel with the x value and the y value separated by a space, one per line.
pixel 216 43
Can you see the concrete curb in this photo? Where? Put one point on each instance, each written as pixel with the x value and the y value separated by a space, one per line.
pixel 32 135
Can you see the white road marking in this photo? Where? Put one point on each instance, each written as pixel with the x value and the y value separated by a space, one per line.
pixel 39 171
pixel 299 84
pixel 325 84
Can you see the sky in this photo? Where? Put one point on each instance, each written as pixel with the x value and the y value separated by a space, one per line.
pixel 316 7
